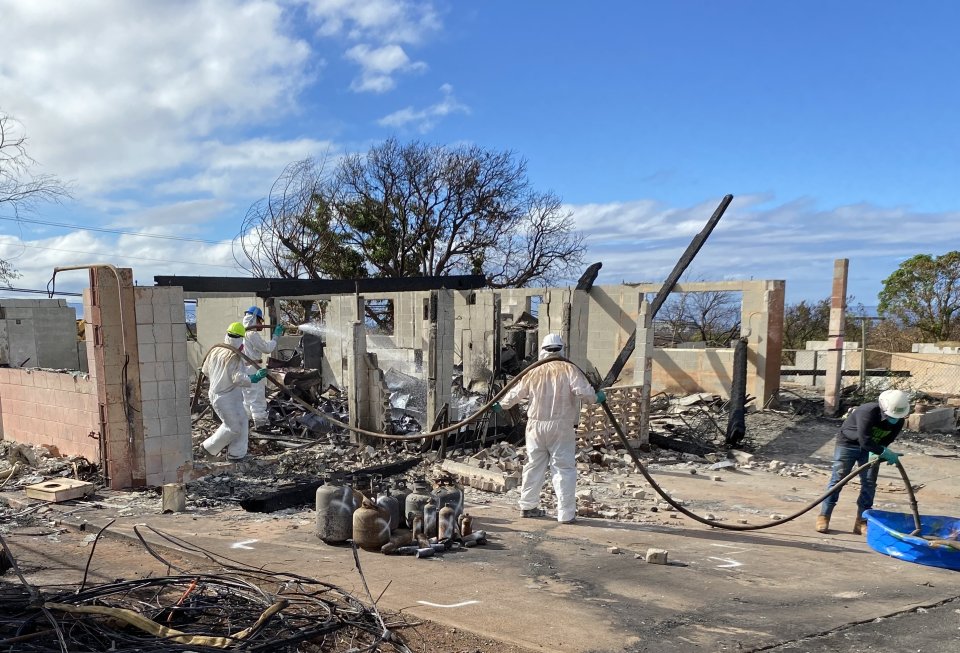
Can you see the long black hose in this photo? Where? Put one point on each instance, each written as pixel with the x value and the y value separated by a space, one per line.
pixel 616 426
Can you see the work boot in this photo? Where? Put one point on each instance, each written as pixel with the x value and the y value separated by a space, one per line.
pixel 860 526
pixel 823 523
pixel 533 512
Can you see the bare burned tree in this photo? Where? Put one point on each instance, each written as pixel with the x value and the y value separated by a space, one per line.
pixel 712 317
pixel 412 210
pixel 20 189
pixel 287 233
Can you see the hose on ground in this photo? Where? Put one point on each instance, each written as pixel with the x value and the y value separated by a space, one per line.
pixel 383 436
pixel 617 428
pixel 755 527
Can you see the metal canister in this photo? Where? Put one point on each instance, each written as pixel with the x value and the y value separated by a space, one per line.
pixel 466 524
pixel 335 506
pixel 390 504
pixel 400 492
pixel 430 518
pixel 371 526
pixel 417 499
pixel 446 523
pixel 450 495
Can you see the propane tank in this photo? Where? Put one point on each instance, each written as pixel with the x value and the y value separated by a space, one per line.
pixel 417 498
pixel 392 507
pixel 430 518
pixel 335 506
pixel 466 524
pixel 400 492
pixel 446 523
pixel 450 495
pixel 371 526
pixel 416 524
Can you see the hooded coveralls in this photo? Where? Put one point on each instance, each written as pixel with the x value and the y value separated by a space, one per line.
pixel 552 390
pixel 227 374
pixel 254 396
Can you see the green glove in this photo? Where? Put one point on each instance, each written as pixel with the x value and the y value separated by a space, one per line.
pixel 601 396
pixel 277 331
pixel 497 408
pixel 891 457
pixel 258 376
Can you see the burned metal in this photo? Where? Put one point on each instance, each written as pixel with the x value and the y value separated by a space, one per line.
pixel 237 607
pixel 267 288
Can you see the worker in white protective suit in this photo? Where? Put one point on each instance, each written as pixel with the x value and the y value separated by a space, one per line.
pixel 227 373
pixel 552 390
pixel 254 346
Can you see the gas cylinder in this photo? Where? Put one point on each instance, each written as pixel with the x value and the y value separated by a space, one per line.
pixel 446 523
pixel 335 506
pixel 371 526
pixel 392 507
pixel 430 518
pixel 417 498
pixel 400 492
pixel 466 524
pixel 450 495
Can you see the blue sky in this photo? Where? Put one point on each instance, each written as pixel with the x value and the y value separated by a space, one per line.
pixel 834 124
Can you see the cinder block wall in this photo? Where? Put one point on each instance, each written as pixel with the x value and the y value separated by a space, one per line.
pixel 164 382
pixel 50 408
pixel 42 332
pixel 215 314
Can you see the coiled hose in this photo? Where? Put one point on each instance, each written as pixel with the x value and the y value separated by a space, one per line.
pixel 617 428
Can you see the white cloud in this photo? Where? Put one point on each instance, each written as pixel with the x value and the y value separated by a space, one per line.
pixel 795 241
pixel 423 120
pixel 389 21
pixel 35 259
pixel 379 65
pixel 117 90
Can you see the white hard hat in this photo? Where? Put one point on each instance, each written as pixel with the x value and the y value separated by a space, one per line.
pixel 552 342
pixel 895 403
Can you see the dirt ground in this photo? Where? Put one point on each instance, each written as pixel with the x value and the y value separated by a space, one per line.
pixel 541 586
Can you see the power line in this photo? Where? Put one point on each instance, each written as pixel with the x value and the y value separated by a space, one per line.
pixel 125 256
pixel 113 231
pixel 37 291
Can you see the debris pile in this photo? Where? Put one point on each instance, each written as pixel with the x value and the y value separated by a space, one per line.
pixel 235 607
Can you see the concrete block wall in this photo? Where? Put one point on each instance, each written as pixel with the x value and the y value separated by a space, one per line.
pixel 215 314
pixel 165 373
pixel 42 332
pixel 50 408
pixel 475 342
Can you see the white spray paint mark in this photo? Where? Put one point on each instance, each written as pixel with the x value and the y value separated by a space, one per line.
pixel 243 545
pixel 730 563
pixel 452 605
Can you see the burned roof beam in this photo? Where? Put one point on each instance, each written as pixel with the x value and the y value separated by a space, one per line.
pixel 303 287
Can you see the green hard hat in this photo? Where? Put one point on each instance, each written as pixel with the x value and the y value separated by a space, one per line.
pixel 237 330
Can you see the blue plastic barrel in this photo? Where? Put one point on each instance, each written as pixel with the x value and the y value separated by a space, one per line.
pixel 889 533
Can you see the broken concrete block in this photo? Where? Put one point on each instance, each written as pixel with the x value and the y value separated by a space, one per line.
pixel 613 549
pixel 742 457
pixel 640 494
pixel 61 489
pixel 174 498
pixel 657 556
pixel 716 478
pixel 586 495
pixel 936 419
pixel 776 465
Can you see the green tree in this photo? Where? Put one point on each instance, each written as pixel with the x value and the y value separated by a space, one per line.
pixel 924 292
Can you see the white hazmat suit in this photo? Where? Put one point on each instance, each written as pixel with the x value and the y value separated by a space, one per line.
pixel 254 396
pixel 552 390
pixel 228 376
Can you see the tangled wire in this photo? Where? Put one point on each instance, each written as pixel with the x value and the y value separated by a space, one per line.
pixel 243 608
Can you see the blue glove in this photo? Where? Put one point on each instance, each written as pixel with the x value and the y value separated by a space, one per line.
pixel 891 457
pixel 601 396
pixel 497 408
pixel 258 376
pixel 277 331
